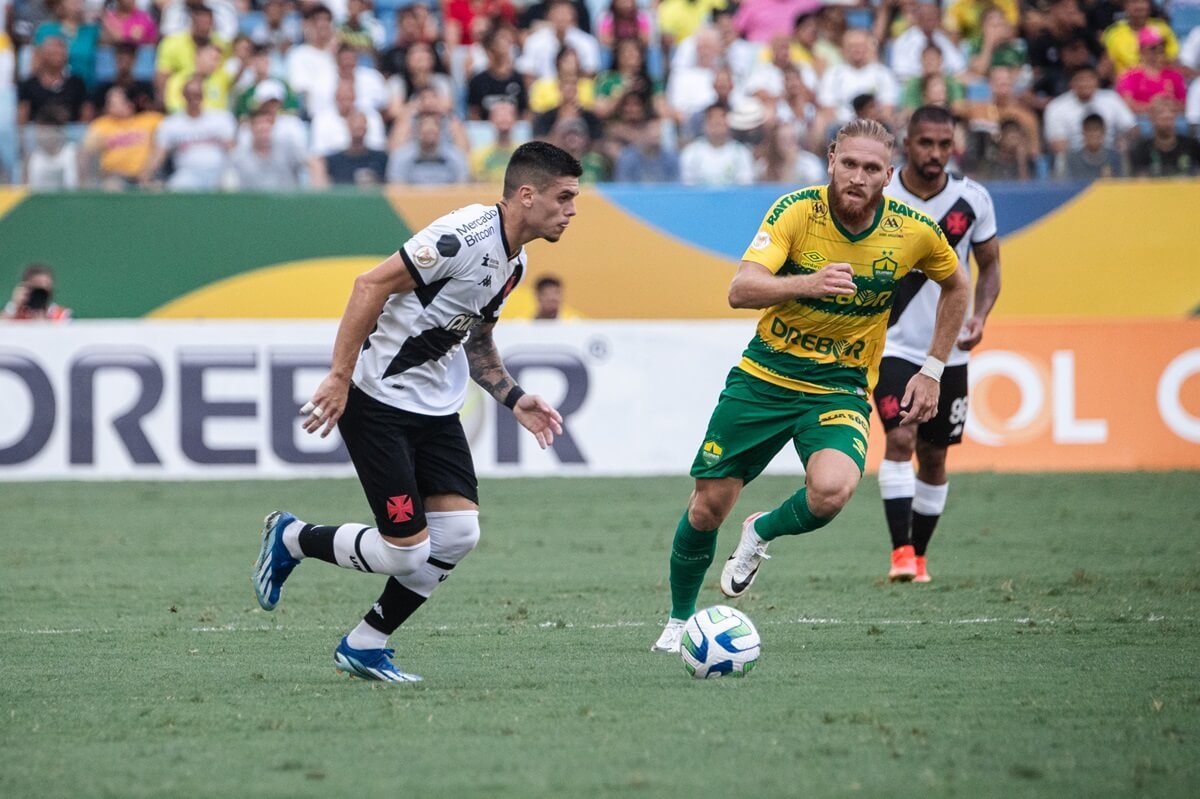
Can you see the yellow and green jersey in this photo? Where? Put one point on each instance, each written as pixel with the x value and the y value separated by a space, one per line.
pixel 834 343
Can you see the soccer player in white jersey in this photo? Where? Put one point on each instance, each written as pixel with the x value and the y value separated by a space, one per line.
pixel 963 208
pixel 415 328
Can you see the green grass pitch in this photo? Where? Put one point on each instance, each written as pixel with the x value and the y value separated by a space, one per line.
pixel 1056 653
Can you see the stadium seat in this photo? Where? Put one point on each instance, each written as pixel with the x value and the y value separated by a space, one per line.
pixel 248 21
pixel 978 92
pixel 1184 18
pixel 1146 129
pixel 1042 166
pixel 8 134
pixel 860 18
pixel 24 63
pixel 389 28
pixel 106 64
pixel 143 67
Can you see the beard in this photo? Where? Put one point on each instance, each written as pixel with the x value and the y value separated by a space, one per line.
pixel 931 171
pixel 852 211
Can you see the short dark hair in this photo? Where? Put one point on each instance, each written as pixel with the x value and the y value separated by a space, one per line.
pixel 317 10
pixel 537 164
pixel 933 114
pixel 860 102
pixel 1082 69
pixel 1093 119
pixel 717 106
pixel 545 282
pixel 35 269
pixel 494 30
pixel 125 48
pixel 803 17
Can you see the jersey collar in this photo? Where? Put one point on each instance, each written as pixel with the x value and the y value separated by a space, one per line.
pixel 503 236
pixel 870 229
pixel 945 174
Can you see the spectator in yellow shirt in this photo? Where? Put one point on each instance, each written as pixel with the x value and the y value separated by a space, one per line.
pixel 217 82
pixel 546 93
pixel 679 19
pixel 1121 38
pixel 177 52
pixel 964 18
pixel 489 161
pixel 118 144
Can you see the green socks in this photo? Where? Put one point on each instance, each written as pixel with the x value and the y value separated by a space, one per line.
pixel 691 555
pixel 791 518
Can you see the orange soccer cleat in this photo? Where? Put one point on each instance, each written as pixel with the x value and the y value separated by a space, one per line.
pixel 921 576
pixel 904 564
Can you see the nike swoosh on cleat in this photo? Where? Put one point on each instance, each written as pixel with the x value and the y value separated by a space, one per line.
pixel 740 587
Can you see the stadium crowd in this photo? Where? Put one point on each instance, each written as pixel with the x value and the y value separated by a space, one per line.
pixel 281 94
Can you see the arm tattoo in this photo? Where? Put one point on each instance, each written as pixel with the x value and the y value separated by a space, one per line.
pixel 486 367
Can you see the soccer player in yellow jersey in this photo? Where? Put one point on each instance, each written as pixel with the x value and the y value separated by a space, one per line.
pixel 823 267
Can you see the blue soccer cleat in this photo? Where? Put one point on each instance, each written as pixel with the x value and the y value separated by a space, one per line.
pixel 370 664
pixel 274 562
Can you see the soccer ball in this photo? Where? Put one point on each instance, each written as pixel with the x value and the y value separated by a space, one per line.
pixel 719 641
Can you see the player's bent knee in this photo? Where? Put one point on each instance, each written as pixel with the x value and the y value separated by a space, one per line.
pixel 828 498
pixel 453 534
pixel 706 514
pixel 710 504
pixel 396 560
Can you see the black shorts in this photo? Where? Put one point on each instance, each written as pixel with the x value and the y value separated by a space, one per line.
pixel 945 429
pixel 402 457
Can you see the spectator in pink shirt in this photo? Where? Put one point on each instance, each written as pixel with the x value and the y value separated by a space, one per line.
pixel 128 24
pixel 624 20
pixel 761 20
pixel 1152 77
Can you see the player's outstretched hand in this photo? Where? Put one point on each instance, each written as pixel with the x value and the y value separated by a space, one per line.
pixel 837 278
pixel 972 333
pixel 920 400
pixel 327 405
pixel 536 416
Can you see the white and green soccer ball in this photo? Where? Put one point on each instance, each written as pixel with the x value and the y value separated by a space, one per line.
pixel 719 641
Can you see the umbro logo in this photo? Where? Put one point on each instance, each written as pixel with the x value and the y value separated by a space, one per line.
pixel 486 282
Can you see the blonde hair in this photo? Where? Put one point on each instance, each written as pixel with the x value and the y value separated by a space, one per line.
pixel 864 129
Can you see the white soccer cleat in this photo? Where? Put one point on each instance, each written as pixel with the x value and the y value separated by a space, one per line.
pixel 742 566
pixel 669 640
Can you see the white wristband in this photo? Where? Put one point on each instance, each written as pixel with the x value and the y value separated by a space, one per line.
pixel 933 368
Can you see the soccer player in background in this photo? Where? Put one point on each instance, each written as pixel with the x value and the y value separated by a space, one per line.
pixel 823 267
pixel 963 208
pixel 414 328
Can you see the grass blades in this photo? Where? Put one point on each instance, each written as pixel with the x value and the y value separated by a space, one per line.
pixel 1055 654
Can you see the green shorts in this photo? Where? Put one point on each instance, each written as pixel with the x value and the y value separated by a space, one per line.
pixel 755 419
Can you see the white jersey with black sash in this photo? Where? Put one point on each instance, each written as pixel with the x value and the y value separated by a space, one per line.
pixel 963 210
pixel 413 359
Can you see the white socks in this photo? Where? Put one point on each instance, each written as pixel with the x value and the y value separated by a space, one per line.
pixel 897 479
pixel 930 500
pixel 355 546
pixel 364 636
